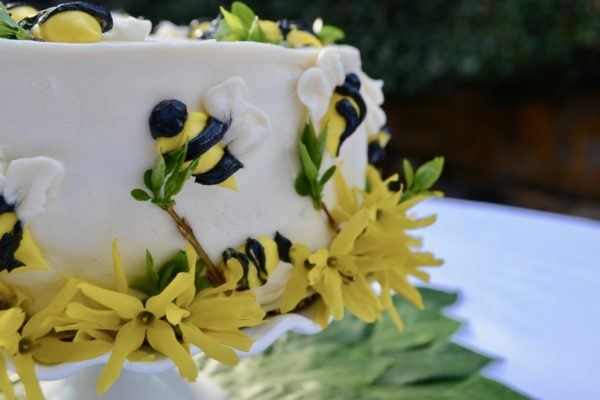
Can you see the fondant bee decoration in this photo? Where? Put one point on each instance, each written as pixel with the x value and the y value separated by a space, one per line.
pixel 76 22
pixel 347 110
pixel 20 10
pixel 173 127
pixel 204 28
pixel 377 145
pixel 23 193
pixel 259 257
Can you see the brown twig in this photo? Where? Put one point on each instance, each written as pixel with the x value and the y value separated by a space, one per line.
pixel 330 219
pixel 188 234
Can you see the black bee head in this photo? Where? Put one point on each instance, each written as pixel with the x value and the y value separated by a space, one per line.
pixel 168 118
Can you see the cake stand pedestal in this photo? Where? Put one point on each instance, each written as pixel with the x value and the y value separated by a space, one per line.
pixel 166 385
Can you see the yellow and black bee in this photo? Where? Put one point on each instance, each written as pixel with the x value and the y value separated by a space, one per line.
pixel 377 145
pixel 76 22
pixel 20 10
pixel 204 28
pixel 347 111
pixel 259 257
pixel 17 246
pixel 172 127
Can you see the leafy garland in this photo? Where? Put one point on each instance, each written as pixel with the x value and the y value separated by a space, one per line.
pixel 9 29
pixel 422 363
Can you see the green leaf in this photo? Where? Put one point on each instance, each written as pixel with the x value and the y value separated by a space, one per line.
pixel 302 185
pixel 308 166
pixel 166 277
pixel 256 33
pixel 144 286
pixel 234 23
pixel 150 272
pixel 327 175
pixel 330 34
pixel 353 360
pixel 140 195
pixel 158 173
pixel 320 149
pixel 244 13
pixel 9 29
pixel 428 174
pixel 409 174
pixel 148 179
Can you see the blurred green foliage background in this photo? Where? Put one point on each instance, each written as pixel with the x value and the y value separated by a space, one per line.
pixel 422 44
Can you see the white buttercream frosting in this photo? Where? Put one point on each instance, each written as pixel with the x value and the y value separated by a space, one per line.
pixel 316 85
pixel 126 28
pixel 249 126
pixel 89 108
pixel 372 93
pixel 27 183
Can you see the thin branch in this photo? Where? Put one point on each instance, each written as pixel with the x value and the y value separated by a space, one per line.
pixel 330 219
pixel 188 234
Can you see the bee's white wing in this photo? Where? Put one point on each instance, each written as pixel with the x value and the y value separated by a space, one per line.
pixel 2 176
pixel 249 125
pixel 29 182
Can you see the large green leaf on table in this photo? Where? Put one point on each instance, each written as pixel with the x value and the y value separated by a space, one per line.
pixel 351 360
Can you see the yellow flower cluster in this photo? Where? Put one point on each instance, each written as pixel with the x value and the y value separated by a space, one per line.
pixel 85 321
pixel 374 245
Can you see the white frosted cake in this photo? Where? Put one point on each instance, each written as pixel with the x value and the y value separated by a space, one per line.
pixel 245 143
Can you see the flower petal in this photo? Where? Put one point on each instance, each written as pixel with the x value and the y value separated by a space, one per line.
pixel 107 319
pixel 295 289
pixel 236 339
pixel 6 386
pixel 25 367
pixel 128 307
pixel 322 315
pixel 157 305
pixel 11 321
pixel 162 339
pixel 361 301
pixel 50 350
pixel 129 338
pixel 36 326
pixel 344 241
pixel 120 278
pixel 176 314
pixel 208 345
pixel 330 289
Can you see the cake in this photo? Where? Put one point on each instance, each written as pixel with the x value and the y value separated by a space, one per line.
pixel 241 143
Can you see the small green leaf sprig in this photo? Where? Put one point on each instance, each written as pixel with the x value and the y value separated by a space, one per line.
pixel 156 281
pixel 308 182
pixel 9 29
pixel 166 178
pixel 240 24
pixel 422 181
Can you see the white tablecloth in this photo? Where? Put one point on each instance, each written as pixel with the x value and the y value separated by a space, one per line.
pixel 530 285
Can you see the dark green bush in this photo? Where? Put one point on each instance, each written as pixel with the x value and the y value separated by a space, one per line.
pixel 416 45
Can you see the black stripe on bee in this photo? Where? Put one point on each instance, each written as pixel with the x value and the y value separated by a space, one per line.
pixel 9 244
pixel 4 206
pixel 225 168
pixel 212 134
pixel 350 88
pixel 101 14
pixel 244 261
pixel 283 247
pixel 256 253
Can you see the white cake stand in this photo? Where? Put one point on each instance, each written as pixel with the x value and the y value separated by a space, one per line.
pixel 158 380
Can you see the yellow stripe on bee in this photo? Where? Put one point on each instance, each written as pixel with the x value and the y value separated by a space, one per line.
pixel 209 159
pixel 70 27
pixel 299 38
pixel 29 253
pixel 195 124
pixel 336 124
pixel 383 138
pixel 271 260
pixel 18 13
pixel 7 222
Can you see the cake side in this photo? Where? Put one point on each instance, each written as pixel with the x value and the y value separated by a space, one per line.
pixel 89 108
